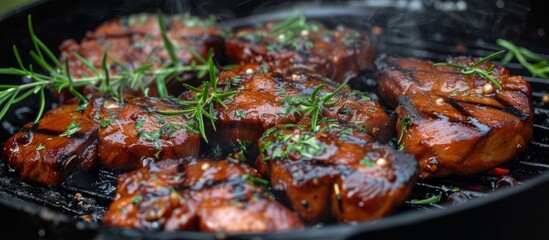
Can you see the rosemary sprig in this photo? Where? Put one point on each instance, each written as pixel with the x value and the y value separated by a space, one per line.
pixel 292 32
pixel 539 67
pixel 472 69
pixel 314 104
pixel 58 76
pixel 205 99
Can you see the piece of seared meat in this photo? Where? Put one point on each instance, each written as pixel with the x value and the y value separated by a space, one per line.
pixel 133 129
pixel 455 123
pixel 45 152
pixel 136 40
pixel 351 106
pixel 205 195
pixel 115 133
pixel 269 96
pixel 337 172
pixel 296 43
pixel 258 106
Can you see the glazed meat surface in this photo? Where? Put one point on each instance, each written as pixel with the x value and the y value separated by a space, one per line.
pixel 205 195
pixel 455 123
pixel 269 97
pixel 296 43
pixel 132 130
pixel 136 40
pixel 337 172
pixel 44 152
pixel 115 133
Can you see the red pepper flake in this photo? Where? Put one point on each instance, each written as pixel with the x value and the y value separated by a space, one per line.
pixel 499 171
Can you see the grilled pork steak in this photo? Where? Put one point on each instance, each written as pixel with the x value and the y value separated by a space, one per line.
pixel 295 43
pixel 269 97
pixel 133 130
pixel 44 152
pixel 337 172
pixel 455 123
pixel 136 40
pixel 205 195
pixel 117 134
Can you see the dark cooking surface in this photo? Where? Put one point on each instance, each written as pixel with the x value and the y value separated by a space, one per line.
pixel 520 211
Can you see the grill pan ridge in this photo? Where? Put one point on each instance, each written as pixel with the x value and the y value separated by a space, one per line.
pixel 31 211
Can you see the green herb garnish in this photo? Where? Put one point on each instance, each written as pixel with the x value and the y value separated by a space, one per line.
pixel 430 200
pixel 404 123
pixel 366 161
pixel 40 147
pixel 314 104
pixel 137 199
pixel 255 180
pixel 71 129
pixel 58 76
pixel 306 145
pixel 472 69
pixel 205 99
pixel 538 66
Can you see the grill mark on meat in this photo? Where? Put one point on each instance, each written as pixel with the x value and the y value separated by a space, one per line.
pixel 363 186
pixel 325 52
pixel 384 63
pixel 457 123
pixel 405 102
pixel 514 111
pixel 211 209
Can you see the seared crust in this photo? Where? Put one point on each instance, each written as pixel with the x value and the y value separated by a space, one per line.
pixel 114 133
pixel 337 54
pixel 136 40
pixel 45 152
pixel 456 127
pixel 269 96
pixel 133 130
pixel 338 172
pixel 205 195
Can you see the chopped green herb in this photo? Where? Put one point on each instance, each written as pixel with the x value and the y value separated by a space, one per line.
pixel 162 120
pixel 97 116
pixel 40 147
pixel 137 199
pixel 404 123
pixel 105 123
pixel 149 136
pixel 139 124
pixel 240 113
pixel 71 129
pixel 366 161
pixel 82 106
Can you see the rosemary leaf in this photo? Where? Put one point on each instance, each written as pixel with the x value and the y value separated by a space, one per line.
pixel 167 43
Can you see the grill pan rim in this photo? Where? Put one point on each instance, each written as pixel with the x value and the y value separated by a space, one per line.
pixel 340 231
